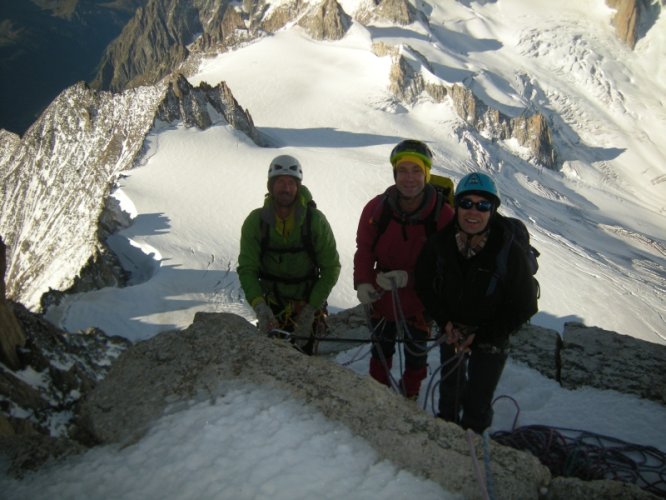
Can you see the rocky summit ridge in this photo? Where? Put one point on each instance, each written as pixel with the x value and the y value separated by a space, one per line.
pixel 95 389
pixel 98 390
pixel 52 229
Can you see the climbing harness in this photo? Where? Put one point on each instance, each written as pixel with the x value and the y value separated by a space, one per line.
pixel 287 318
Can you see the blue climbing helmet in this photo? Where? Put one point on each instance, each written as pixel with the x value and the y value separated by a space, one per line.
pixel 478 183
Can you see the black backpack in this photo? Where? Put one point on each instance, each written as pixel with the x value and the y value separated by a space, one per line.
pixel 444 192
pixel 515 230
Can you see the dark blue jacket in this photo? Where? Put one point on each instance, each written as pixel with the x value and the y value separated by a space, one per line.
pixel 453 288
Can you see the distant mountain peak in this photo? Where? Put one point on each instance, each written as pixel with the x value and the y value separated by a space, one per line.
pixel 86 137
pixel 326 21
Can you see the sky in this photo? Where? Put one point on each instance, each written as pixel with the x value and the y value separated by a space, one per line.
pixel 598 223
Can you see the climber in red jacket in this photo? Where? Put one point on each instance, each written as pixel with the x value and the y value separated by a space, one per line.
pixel 392 229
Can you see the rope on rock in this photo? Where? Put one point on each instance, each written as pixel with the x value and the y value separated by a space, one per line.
pixel 477 469
pixel 588 456
pixel 490 488
pixel 574 452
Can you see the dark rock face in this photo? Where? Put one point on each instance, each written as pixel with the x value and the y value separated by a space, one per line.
pixel 11 334
pixel 634 18
pixel 530 130
pixel 150 46
pixel 69 366
pixel 538 348
pixel 397 11
pixel 185 103
pixel 327 21
pixel 590 356
pixel 608 360
pixel 99 134
pixel 625 19
pixel 49 46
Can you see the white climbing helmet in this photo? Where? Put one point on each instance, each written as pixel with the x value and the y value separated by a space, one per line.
pixel 285 165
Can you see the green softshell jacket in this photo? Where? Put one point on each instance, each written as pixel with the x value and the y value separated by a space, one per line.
pixel 287 265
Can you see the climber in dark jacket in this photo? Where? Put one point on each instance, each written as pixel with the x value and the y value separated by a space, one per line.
pixel 453 279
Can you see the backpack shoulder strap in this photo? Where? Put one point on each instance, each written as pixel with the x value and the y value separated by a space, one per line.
pixel 381 220
pixel 306 244
pixel 433 217
pixel 306 233
pixel 502 257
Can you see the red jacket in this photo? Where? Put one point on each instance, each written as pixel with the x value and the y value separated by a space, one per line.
pixel 396 248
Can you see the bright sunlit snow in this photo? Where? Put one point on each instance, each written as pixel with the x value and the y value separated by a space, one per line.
pixel 599 224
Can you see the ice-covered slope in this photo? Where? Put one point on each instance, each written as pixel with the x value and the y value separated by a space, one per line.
pixel 599 222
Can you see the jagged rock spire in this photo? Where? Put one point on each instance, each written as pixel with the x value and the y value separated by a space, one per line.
pixel 326 21
pixel 190 105
pixel 531 130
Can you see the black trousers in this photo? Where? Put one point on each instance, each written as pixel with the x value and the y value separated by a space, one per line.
pixel 466 393
pixel 414 346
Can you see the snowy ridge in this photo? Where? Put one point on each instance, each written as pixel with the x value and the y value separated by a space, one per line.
pixel 328 102
pixel 598 221
pixel 343 131
pixel 61 171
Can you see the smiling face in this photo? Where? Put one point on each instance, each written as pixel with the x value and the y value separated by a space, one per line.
pixel 472 220
pixel 409 179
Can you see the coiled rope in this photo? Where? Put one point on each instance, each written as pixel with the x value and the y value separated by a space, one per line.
pixel 587 455
pixel 571 452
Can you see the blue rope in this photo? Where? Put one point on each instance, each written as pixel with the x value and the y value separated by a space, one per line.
pixel 475 463
pixel 486 462
pixel 430 390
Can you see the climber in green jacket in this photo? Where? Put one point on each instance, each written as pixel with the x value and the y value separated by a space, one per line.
pixel 288 262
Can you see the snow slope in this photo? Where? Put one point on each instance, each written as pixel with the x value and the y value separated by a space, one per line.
pixel 599 222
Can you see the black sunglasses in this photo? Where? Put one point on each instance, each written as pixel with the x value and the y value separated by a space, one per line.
pixel 481 206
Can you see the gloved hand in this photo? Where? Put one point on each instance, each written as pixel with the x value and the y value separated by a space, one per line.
pixel 303 328
pixel 391 279
pixel 459 335
pixel 366 293
pixel 265 319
